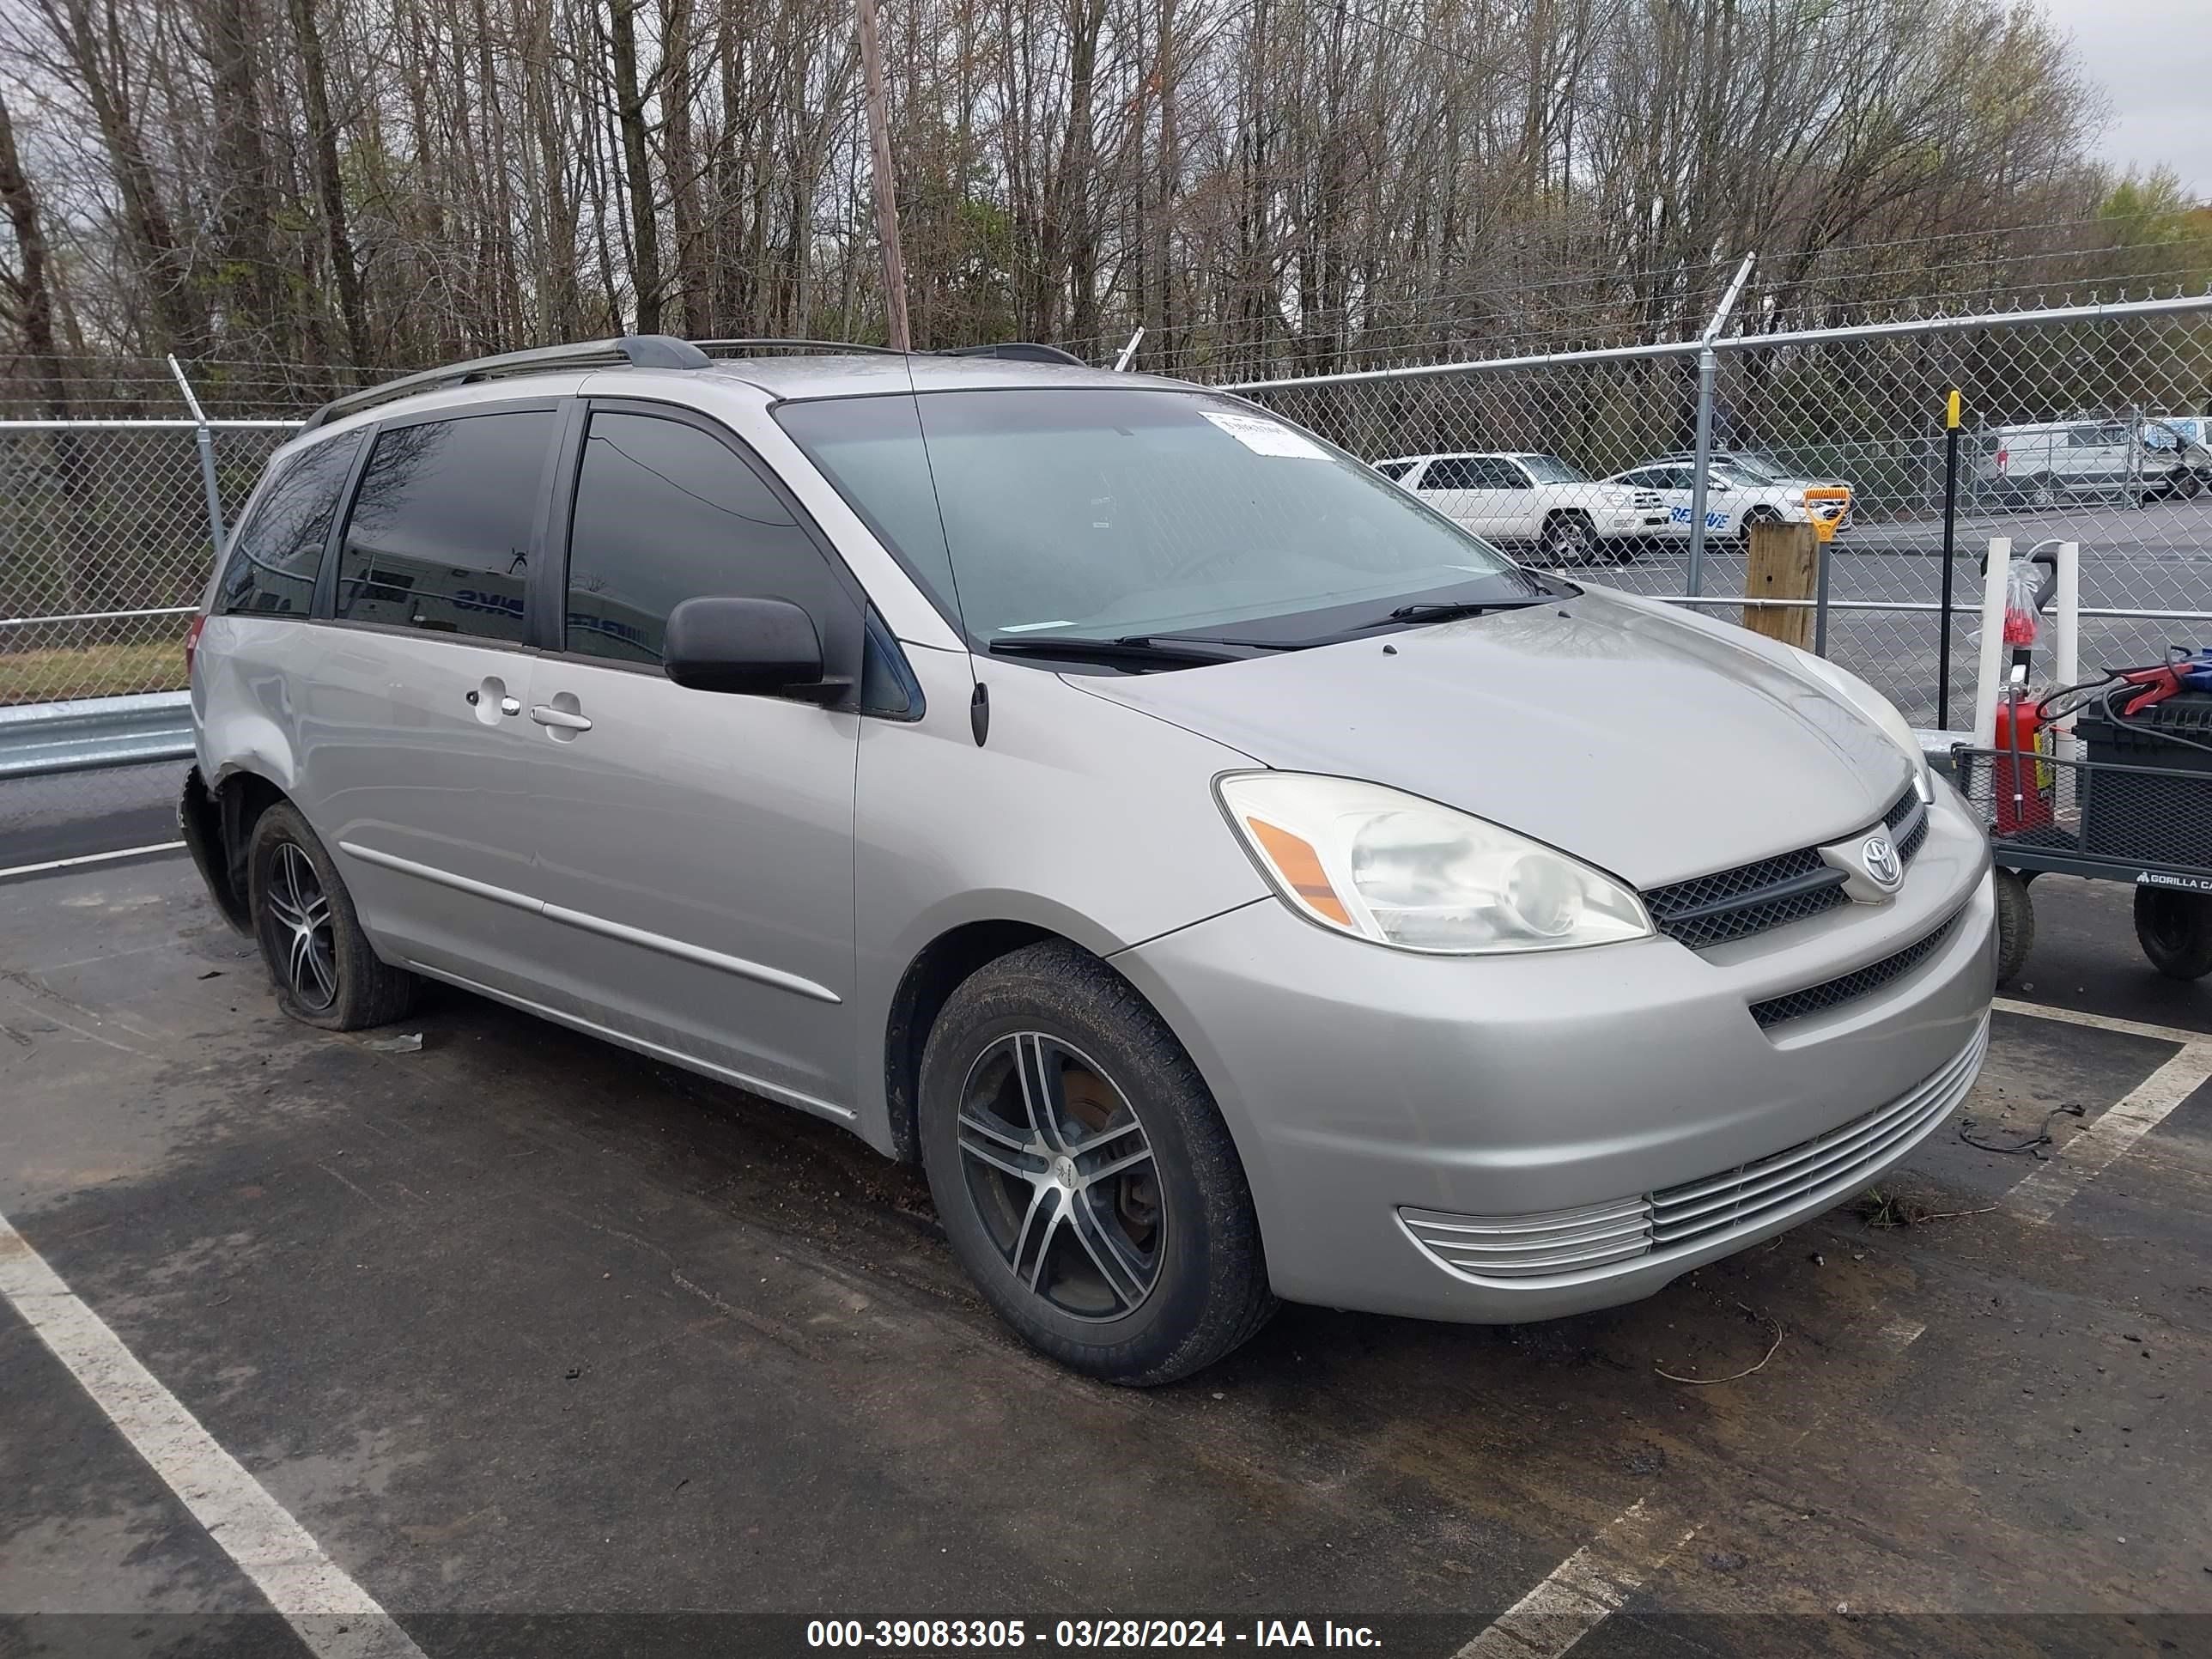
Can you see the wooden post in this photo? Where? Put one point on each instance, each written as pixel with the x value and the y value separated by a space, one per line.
pixel 1783 565
pixel 880 152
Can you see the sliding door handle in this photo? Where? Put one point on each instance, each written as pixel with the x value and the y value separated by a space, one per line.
pixel 561 719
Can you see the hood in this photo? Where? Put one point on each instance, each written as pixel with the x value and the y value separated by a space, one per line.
pixel 1653 743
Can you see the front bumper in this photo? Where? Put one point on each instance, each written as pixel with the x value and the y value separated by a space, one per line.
pixel 1376 1097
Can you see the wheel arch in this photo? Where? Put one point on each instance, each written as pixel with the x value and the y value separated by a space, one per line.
pixel 217 825
pixel 953 955
pixel 929 980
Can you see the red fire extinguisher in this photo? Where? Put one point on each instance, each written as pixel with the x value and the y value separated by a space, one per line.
pixel 2026 782
pixel 2025 779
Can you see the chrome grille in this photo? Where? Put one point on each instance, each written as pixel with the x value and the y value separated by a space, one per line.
pixel 1814 998
pixel 1698 1211
pixel 1771 892
pixel 1565 1246
pixel 1533 1246
pixel 1907 824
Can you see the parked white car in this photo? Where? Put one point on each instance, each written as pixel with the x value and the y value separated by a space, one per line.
pixel 1524 497
pixel 2042 463
pixel 1734 500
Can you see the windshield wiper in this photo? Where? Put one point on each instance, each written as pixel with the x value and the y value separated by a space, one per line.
pixel 1130 648
pixel 1446 610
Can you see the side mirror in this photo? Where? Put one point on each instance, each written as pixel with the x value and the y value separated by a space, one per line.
pixel 759 647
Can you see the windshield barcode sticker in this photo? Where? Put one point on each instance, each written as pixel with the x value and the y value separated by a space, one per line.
pixel 1264 437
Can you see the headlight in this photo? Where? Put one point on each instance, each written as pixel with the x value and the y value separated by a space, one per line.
pixel 1400 871
pixel 1875 707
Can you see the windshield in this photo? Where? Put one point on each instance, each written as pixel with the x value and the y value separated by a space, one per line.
pixel 1108 513
pixel 1550 469
pixel 1756 468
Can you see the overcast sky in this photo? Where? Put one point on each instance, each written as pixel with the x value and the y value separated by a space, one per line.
pixel 2153 57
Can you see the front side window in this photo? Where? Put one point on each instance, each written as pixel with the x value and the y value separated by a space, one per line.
pixel 440 534
pixel 277 551
pixel 1100 511
pixel 1550 469
pixel 665 512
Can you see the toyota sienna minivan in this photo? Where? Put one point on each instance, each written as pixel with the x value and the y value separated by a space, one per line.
pixel 1229 879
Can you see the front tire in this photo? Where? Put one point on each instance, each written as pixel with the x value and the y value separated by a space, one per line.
pixel 2175 931
pixel 2016 923
pixel 1083 1174
pixel 318 959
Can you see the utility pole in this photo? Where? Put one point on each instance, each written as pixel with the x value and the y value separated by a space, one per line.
pixel 879 147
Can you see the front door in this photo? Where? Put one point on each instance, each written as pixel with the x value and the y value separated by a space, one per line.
pixel 695 848
pixel 1508 508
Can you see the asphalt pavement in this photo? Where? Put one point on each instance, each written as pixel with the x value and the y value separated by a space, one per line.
pixel 545 1349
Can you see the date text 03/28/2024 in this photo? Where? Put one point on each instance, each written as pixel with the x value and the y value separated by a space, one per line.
pixel 937 1635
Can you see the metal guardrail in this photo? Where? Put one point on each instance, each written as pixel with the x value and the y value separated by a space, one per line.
pixel 91 733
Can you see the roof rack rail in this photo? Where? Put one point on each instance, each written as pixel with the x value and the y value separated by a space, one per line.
pixel 636 350
pixel 1023 351
pixel 755 343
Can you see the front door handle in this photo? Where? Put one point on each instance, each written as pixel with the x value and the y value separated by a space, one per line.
pixel 561 719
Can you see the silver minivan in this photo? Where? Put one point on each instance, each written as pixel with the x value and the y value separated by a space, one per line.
pixel 1228 879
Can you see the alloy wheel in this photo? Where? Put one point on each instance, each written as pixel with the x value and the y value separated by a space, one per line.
pixel 1572 539
pixel 1062 1177
pixel 304 936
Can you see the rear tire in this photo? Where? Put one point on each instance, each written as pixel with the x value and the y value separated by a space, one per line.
pixel 1113 1230
pixel 2015 924
pixel 1756 516
pixel 1569 538
pixel 2175 931
pixel 2043 491
pixel 319 961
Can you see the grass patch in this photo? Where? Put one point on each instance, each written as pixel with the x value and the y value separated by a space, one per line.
pixel 94 670
pixel 1878 1208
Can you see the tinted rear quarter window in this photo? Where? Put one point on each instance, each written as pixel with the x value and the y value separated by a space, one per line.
pixel 277 551
pixel 440 534
pixel 666 512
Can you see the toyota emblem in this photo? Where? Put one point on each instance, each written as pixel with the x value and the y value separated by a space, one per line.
pixel 1881 859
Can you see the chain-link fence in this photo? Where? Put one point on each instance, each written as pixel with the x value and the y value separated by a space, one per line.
pixel 106 541
pixel 2084 423
pixel 2091 424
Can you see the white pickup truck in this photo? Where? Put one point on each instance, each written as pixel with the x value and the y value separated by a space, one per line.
pixel 1522 497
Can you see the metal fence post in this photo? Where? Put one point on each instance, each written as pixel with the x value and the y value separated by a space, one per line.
pixel 1950 555
pixel 1820 601
pixel 1708 361
pixel 204 437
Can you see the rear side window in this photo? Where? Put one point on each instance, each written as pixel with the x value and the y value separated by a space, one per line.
pixel 1394 469
pixel 665 511
pixel 1452 472
pixel 440 534
pixel 278 549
